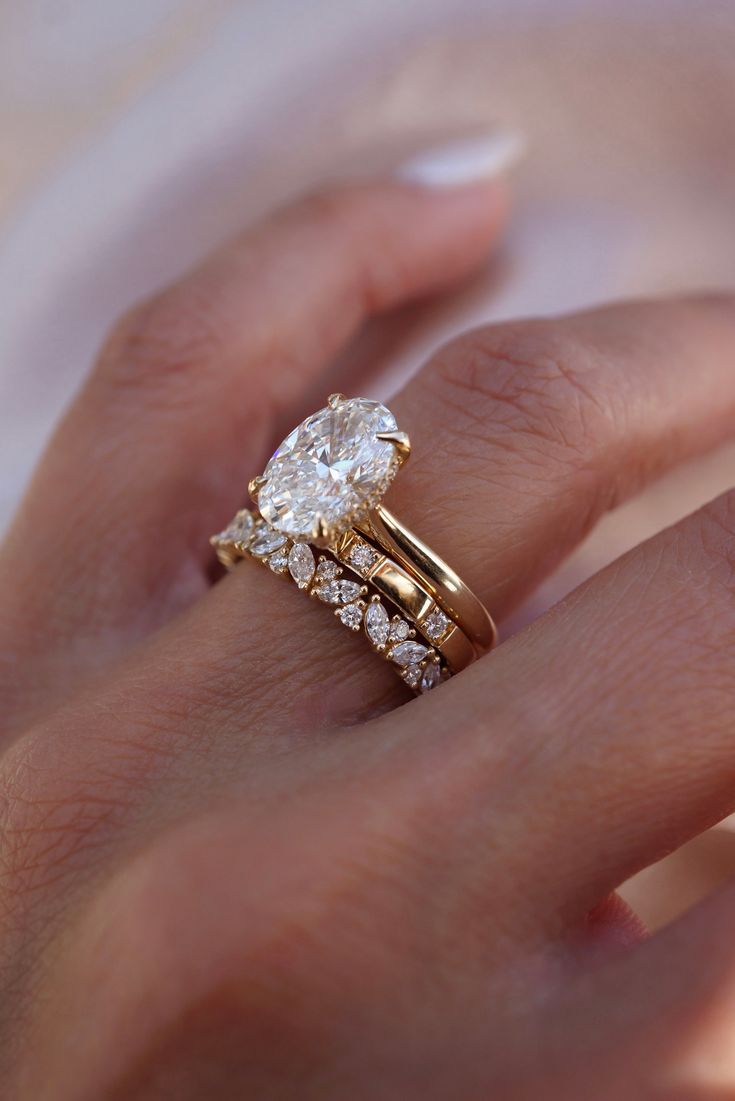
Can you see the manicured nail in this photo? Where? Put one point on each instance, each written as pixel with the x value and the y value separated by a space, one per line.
pixel 468 161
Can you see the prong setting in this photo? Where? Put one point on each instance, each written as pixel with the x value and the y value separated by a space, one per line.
pixel 400 441
pixel 254 487
pixel 321 534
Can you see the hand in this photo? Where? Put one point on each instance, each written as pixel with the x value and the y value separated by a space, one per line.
pixel 232 865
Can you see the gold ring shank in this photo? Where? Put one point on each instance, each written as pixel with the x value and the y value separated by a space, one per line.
pixel 411 595
pixel 437 579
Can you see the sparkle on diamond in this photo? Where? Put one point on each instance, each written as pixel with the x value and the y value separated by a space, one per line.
pixel 330 467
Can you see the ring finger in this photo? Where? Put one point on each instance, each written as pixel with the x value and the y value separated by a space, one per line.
pixel 248 670
pixel 523 435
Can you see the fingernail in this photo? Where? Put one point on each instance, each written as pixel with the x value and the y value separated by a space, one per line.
pixel 468 161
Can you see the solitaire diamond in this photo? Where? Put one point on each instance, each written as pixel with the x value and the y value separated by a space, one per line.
pixel 330 470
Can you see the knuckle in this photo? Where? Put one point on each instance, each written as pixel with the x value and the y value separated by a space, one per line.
pixel 163 347
pixel 284 948
pixel 49 826
pixel 536 383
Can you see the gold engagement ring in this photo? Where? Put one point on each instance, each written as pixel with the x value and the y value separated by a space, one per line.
pixel 319 512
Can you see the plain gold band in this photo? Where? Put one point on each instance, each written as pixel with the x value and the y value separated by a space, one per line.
pixel 432 572
pixel 412 594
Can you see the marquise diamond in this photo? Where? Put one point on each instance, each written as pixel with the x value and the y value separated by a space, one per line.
pixel 377 624
pixel 331 469
pixel 430 677
pixel 301 564
pixel 339 592
pixel 408 653
pixel 265 541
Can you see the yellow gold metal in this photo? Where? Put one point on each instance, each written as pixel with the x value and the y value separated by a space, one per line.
pixel 401 442
pixel 444 585
pixel 400 570
pixel 254 487
pixel 321 534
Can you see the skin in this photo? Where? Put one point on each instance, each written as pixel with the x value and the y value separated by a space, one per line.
pixel 234 861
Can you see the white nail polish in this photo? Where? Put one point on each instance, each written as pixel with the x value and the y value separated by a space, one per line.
pixel 468 161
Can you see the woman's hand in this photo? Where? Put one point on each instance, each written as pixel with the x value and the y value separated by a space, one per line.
pixel 232 865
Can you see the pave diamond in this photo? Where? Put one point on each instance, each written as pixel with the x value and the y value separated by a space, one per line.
pixel 265 541
pixel 408 653
pixel 377 624
pixel 331 468
pixel 435 625
pixel 301 564
pixel 339 592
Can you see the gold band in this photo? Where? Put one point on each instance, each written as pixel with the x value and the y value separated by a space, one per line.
pixel 455 599
pixel 365 604
pixel 324 487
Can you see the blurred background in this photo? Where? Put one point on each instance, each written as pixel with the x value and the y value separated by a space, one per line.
pixel 137 135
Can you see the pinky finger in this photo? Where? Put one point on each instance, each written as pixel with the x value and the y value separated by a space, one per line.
pixel 659 1021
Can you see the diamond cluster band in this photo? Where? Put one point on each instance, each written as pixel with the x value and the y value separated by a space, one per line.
pixel 319 512
pixel 393 637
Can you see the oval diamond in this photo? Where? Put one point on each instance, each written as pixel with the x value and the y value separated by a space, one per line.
pixel 331 469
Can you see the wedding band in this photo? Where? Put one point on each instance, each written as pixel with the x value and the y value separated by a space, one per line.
pixel 323 490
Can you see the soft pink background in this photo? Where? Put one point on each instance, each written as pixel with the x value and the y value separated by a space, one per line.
pixel 137 135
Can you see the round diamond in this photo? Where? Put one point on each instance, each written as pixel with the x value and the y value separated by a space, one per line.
pixel 363 557
pixel 412 675
pixel 328 570
pixel 398 630
pixel 351 616
pixel 278 562
pixel 332 468
pixel 436 624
